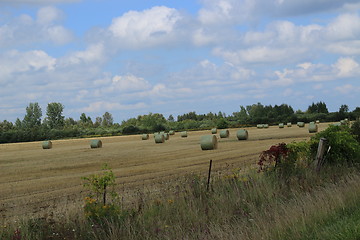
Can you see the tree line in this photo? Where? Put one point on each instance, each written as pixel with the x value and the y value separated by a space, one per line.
pixel 55 126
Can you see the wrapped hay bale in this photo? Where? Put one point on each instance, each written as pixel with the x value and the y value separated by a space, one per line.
pixel 313 128
pixel 224 133
pixel 260 126
pixel 281 125
pixel 214 131
pixel 242 134
pixel 208 142
pixel 159 138
pixel 96 143
pixel 46 144
pixel 301 124
pixel 184 134
pixel 145 137
pixel 289 124
pixel 266 125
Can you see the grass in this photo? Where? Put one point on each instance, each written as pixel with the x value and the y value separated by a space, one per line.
pixel 238 206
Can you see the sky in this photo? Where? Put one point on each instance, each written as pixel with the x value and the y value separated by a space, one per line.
pixel 134 57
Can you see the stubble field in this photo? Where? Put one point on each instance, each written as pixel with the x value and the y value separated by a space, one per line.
pixel 34 181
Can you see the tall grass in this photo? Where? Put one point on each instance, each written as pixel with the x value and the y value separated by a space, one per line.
pixel 238 206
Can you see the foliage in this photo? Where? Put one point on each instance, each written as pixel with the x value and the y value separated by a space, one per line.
pixel 33 116
pixel 107 119
pixel 96 206
pixel 319 107
pixel 130 130
pixel 54 112
pixel 222 123
pixel 271 158
pixel 344 149
pixel 355 129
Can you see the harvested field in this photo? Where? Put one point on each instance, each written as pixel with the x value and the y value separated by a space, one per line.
pixel 34 181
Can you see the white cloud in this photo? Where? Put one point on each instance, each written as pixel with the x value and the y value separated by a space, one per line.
pixel 24 30
pixel 128 83
pixel 147 28
pixel 94 53
pixel 347 89
pixel 15 62
pixel 101 106
pixel 48 15
pixel 344 27
pixel 347 67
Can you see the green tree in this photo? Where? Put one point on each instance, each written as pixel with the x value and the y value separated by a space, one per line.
pixel 171 118
pixel 54 112
pixel 107 119
pixel 33 116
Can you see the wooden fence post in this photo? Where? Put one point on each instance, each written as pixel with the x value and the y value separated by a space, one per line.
pixel 208 182
pixel 320 154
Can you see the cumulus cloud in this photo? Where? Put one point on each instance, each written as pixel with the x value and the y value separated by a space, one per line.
pixel 150 27
pixel 26 30
pixel 15 62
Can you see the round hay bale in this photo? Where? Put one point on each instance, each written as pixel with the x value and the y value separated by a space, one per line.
pixel 145 137
pixel 46 144
pixel 242 134
pixel 159 138
pixel 260 126
pixel 224 133
pixel 266 125
pixel 96 143
pixel 172 132
pixel 281 125
pixel 184 134
pixel 166 136
pixel 289 124
pixel 313 128
pixel 214 131
pixel 208 142
pixel 336 124
pixel 311 122
pixel 301 124
pixel 317 121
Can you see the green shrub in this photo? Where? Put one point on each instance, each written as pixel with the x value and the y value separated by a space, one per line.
pixel 344 149
pixel 355 129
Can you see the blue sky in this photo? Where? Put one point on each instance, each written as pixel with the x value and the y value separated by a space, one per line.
pixel 172 57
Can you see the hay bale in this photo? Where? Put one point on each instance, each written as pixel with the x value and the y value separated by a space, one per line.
pixel 289 124
pixel 96 143
pixel 208 142
pixel 242 134
pixel 266 125
pixel 260 126
pixel 281 125
pixel 184 134
pixel 224 133
pixel 336 124
pixel 172 132
pixel 317 121
pixel 313 128
pixel 159 138
pixel 214 131
pixel 166 136
pixel 301 124
pixel 145 137
pixel 46 144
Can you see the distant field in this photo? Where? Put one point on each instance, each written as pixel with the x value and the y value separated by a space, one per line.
pixel 34 181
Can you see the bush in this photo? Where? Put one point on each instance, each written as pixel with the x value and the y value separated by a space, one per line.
pixel 130 130
pixel 345 149
pixel 355 129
